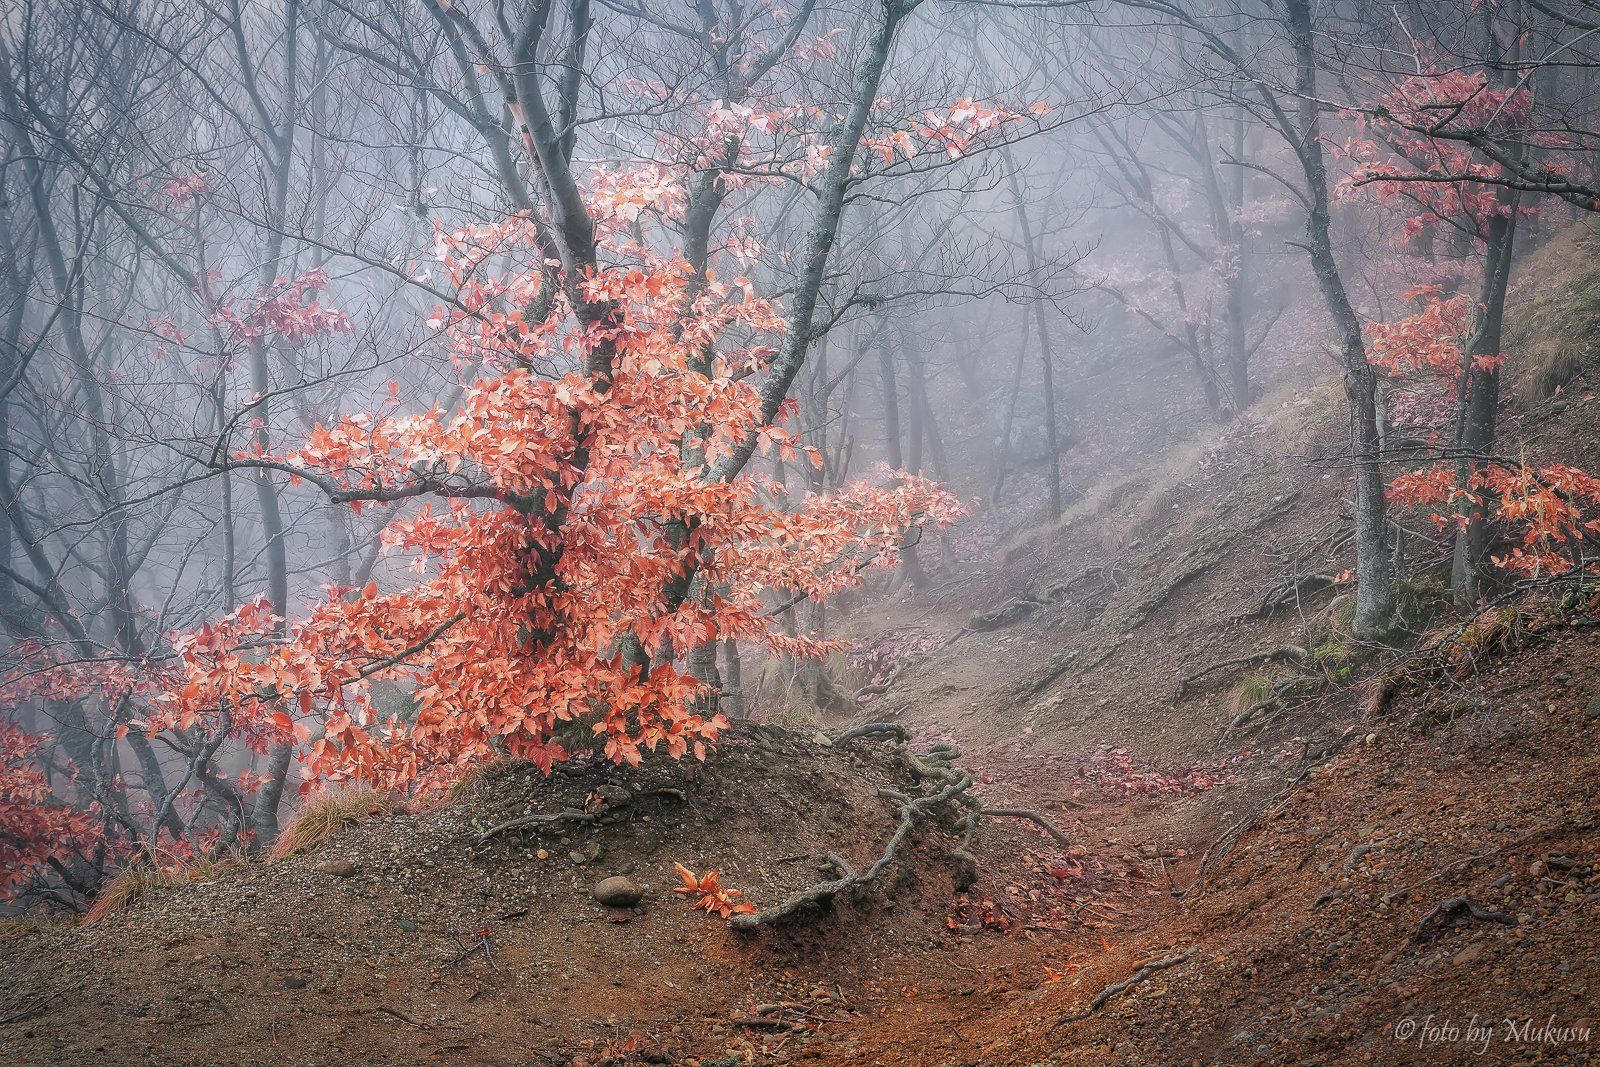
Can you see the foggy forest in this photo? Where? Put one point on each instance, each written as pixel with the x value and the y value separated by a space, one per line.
pixel 739 532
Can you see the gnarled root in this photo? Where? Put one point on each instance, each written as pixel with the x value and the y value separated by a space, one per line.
pixel 941 783
pixel 1449 909
pixel 538 822
pixel 1281 654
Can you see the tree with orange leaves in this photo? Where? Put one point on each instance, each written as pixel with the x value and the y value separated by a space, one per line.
pixel 36 831
pixel 544 599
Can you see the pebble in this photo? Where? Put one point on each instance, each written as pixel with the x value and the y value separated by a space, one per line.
pixel 618 891
pixel 338 868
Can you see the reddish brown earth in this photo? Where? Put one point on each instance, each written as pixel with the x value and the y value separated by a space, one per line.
pixel 1302 878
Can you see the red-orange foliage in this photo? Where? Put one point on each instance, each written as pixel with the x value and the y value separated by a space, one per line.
pixel 1429 342
pixel 34 829
pixel 1440 178
pixel 1553 506
pixel 714 898
pixel 561 508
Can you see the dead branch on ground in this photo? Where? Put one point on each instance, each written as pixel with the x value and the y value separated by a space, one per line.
pixel 1143 974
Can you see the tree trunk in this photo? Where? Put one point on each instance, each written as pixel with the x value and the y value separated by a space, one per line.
pixel 1011 409
pixel 928 420
pixel 1480 399
pixel 1480 372
pixel 732 680
pixel 889 387
pixel 1374 578
pixel 1046 353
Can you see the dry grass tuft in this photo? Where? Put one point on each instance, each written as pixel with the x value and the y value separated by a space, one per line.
pixel 326 816
pixel 796 716
pixel 209 867
pixel 474 776
pixel 1494 631
pixel 126 890
pixel 27 923
pixel 1253 690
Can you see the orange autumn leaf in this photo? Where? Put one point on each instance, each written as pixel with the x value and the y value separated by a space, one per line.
pixel 714 899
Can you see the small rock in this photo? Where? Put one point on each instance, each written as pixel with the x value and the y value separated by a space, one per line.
pixel 408 926
pixel 820 738
pixel 1591 711
pixel 338 868
pixel 295 981
pixel 1536 869
pixel 613 796
pixel 618 891
pixel 1469 955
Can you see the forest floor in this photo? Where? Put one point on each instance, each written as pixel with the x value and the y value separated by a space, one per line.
pixel 1368 873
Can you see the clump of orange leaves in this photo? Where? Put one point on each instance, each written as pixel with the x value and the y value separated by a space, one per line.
pixel 969 916
pixel 714 898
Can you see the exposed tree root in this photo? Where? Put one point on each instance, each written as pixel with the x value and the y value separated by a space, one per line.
pixel 882 686
pixel 538 822
pixel 1291 591
pixel 1069 660
pixel 1380 693
pixel 1453 906
pixel 1468 861
pixel 1011 611
pixel 1219 849
pixel 1123 615
pixel 1142 974
pixel 1033 817
pixel 611 805
pixel 944 784
pixel 1281 654
pixel 1025 604
pixel 38 1005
